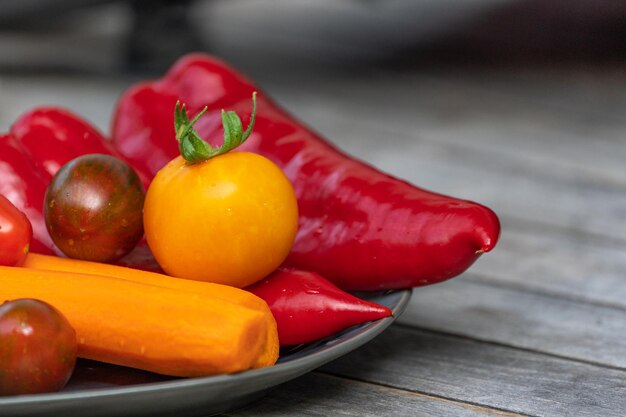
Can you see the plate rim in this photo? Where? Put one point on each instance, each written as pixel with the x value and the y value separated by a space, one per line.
pixel 301 365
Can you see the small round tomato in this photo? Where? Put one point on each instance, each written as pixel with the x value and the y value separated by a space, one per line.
pixel 16 233
pixel 37 348
pixel 93 208
pixel 231 219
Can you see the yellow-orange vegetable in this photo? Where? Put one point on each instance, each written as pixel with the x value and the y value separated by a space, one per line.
pixel 56 263
pixel 159 329
pixel 227 293
pixel 231 219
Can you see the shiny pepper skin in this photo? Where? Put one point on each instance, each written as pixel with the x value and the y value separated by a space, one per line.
pixel 358 227
pixel 308 307
pixel 25 187
pixel 53 136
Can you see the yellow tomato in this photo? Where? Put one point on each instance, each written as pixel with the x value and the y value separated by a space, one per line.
pixel 231 219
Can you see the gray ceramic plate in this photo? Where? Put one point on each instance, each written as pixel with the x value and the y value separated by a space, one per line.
pixel 98 389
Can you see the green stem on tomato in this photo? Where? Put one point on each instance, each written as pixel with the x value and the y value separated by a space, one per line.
pixel 194 149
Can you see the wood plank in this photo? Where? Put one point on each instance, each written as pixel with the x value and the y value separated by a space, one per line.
pixel 532 321
pixel 556 262
pixel 317 394
pixel 595 92
pixel 481 373
pixel 465 110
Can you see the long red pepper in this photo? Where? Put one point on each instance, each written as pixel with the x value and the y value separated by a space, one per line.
pixel 308 307
pixel 23 186
pixel 359 227
pixel 54 136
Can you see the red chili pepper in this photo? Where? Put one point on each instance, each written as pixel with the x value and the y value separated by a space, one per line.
pixel 359 227
pixel 308 307
pixel 51 137
pixel 16 233
pixel 23 186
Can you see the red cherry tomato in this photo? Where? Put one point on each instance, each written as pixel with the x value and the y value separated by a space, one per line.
pixel 15 234
pixel 37 348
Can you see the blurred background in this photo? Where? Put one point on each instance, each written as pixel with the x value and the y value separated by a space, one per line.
pixel 45 43
pixel 104 36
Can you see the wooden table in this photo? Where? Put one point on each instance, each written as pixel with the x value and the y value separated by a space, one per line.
pixel 535 328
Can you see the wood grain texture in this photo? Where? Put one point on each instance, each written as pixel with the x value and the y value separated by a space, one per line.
pixel 481 373
pixel 556 262
pixel 520 319
pixel 323 395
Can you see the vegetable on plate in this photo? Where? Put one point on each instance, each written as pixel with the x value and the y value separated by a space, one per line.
pixel 53 136
pixel 359 227
pixel 16 233
pixel 308 307
pixel 225 292
pixel 164 330
pixel 44 139
pixel 37 347
pixel 217 214
pixel 285 198
pixel 93 208
pixel 23 185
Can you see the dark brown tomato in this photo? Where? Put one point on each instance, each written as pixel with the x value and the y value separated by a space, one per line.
pixel 93 208
pixel 37 348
